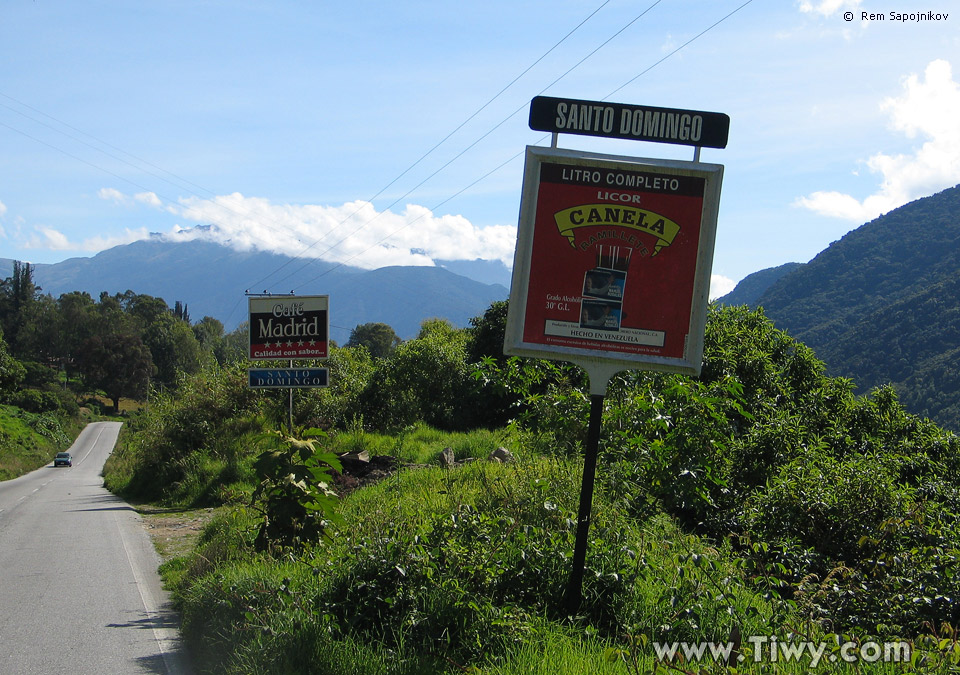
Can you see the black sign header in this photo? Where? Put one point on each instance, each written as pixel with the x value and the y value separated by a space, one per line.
pixel 632 122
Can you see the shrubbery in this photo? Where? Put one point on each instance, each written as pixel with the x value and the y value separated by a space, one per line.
pixel 762 495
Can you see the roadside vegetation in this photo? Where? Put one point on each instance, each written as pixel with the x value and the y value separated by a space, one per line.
pixel 66 361
pixel 761 499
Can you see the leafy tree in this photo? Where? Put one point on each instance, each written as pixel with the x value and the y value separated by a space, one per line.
pixel 18 296
pixel 235 346
pixel 173 347
pixel 11 371
pixel 76 323
pixel 119 364
pixel 379 339
pixel 487 333
pixel 180 311
pixel 426 379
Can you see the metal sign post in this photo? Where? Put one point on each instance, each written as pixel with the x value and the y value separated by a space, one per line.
pixel 614 255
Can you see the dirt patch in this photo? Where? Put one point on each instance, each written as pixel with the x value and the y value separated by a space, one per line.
pixel 174 532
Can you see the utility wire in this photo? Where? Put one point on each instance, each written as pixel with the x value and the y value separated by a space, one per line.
pixel 421 158
pixel 466 149
pixel 500 166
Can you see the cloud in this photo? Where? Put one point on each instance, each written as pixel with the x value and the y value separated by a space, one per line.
pixel 354 233
pixel 48 238
pixel 720 285
pixel 3 209
pixel 929 108
pixel 827 7
pixel 114 195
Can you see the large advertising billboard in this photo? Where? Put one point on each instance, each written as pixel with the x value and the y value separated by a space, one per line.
pixel 289 327
pixel 613 260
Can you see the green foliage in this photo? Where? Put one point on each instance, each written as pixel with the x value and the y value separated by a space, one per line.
pixel 765 446
pixel 351 370
pixel 209 423
pixel 426 379
pixel 881 308
pixel 762 497
pixel 119 364
pixel 467 567
pixel 30 440
pixel 12 372
pixel 294 495
pixel 378 339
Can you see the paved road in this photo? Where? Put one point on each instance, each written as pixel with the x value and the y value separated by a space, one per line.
pixel 79 591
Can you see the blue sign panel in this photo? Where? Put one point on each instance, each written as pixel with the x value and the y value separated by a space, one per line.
pixel 287 378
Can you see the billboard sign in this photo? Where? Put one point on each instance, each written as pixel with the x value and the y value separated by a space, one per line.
pixel 613 260
pixel 287 378
pixel 289 327
pixel 630 122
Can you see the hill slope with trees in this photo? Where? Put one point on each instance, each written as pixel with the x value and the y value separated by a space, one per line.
pixel 881 304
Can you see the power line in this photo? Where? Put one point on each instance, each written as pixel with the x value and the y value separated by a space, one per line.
pixel 500 166
pixel 424 156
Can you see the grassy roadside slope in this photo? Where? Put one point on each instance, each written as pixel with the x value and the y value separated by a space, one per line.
pixel 29 441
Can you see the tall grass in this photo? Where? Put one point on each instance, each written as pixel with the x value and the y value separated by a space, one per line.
pixel 460 568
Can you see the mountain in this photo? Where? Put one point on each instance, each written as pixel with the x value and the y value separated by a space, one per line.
pixel 752 286
pixel 211 280
pixel 882 305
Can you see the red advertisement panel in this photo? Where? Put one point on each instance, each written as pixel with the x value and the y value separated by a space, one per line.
pixel 616 262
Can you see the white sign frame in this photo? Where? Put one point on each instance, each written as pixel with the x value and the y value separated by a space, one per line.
pixel 602 361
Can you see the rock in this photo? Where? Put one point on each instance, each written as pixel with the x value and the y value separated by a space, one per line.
pixel 355 463
pixel 447 458
pixel 501 454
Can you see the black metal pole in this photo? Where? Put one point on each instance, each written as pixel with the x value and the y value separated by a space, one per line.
pixel 575 587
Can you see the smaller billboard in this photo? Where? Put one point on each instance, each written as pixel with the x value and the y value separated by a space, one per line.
pixel 289 327
pixel 287 378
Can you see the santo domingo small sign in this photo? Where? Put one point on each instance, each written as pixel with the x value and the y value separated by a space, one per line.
pixel 287 378
pixel 289 327
pixel 632 122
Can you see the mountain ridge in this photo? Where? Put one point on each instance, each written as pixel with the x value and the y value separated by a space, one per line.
pixel 212 279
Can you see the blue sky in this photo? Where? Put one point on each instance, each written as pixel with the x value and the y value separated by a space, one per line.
pixel 392 133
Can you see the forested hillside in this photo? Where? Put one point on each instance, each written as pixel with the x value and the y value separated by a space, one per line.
pixel 749 290
pixel 881 305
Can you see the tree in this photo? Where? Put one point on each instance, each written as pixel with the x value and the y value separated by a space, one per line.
pixel 379 339
pixel 173 348
pixel 487 333
pixel 76 323
pixel 18 295
pixel 11 371
pixel 119 364
pixel 426 379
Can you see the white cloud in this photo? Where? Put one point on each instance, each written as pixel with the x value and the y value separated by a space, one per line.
pixel 827 7
pixel 354 233
pixel 3 209
pixel 148 198
pixel 720 285
pixel 117 197
pixel 111 194
pixel 928 108
pixel 50 239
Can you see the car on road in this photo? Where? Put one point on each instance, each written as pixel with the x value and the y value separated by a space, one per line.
pixel 63 459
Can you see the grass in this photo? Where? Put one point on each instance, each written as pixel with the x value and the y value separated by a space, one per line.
pixel 421 444
pixel 29 441
pixel 436 570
